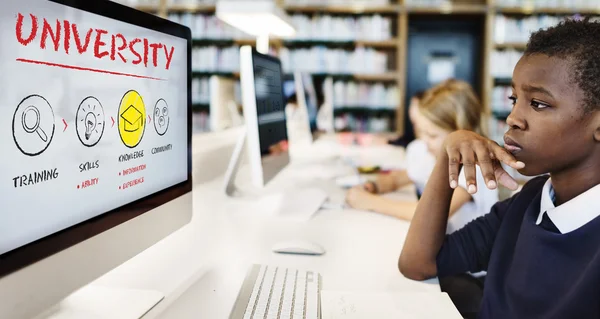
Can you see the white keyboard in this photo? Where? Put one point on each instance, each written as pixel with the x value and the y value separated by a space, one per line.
pixel 274 292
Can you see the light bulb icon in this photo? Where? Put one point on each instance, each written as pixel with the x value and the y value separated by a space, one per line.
pixel 90 124
pixel 90 121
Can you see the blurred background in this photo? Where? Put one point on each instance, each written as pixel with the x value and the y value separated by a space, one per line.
pixel 367 58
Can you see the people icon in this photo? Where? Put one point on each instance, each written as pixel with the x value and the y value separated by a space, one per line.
pixel 161 117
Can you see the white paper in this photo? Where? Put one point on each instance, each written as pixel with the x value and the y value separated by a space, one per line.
pixel 360 305
pixel 440 70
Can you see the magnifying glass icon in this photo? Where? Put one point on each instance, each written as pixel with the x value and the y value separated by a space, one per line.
pixel 31 122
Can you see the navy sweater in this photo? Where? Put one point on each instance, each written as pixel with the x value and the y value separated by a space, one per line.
pixel 531 272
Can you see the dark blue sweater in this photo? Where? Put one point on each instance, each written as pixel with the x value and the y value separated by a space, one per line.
pixel 531 272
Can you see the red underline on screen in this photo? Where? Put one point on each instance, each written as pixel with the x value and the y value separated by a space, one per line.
pixel 73 67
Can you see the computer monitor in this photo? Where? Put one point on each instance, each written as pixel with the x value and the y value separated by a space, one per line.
pixel 224 112
pixel 304 83
pixel 96 143
pixel 266 138
pixel 325 116
pixel 264 116
pixel 301 110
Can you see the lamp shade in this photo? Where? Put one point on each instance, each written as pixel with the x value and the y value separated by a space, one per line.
pixel 257 18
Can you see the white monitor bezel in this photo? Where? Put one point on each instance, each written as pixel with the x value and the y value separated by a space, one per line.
pixel 40 274
pixel 259 175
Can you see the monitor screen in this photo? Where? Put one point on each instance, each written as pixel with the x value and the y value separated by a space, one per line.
pixel 310 96
pixel 311 99
pixel 270 105
pixel 95 115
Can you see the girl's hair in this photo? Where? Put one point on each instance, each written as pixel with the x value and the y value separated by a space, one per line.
pixel 419 95
pixel 453 105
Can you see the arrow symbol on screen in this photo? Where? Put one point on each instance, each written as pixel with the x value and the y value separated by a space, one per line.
pixel 66 125
pixel 113 121
pixel 148 118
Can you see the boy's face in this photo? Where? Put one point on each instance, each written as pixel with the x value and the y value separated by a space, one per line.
pixel 547 129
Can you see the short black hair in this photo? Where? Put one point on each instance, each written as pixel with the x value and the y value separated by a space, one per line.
pixel 577 41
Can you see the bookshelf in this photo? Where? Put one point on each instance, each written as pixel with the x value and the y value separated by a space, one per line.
pixel 449 8
pixel 499 54
pixel 547 10
pixel 363 8
pixel 520 46
pixel 511 26
pixel 191 8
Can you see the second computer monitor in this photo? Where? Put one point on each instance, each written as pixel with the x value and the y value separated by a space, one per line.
pixel 264 114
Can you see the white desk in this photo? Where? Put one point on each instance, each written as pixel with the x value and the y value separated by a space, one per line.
pixel 201 267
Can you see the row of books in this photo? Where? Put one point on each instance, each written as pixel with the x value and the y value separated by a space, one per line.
pixel 314 60
pixel 216 59
pixel 340 28
pixel 134 3
pixel 318 27
pixel 190 2
pixel 500 100
pixel 200 90
pixel 427 3
pixel 497 128
pixel 504 62
pixel 357 123
pixel 574 4
pixel 320 59
pixel 377 96
pixel 200 122
pixel 517 30
pixel 337 2
pixel 207 26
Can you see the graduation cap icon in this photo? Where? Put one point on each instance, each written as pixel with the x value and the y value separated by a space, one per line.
pixel 133 119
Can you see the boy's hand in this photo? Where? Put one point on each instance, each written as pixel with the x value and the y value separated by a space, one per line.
pixel 470 149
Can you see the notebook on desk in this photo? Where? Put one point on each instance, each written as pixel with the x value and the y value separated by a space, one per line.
pixel 384 305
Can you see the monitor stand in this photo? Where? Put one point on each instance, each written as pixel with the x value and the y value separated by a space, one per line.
pixel 297 204
pixel 234 165
pixel 99 302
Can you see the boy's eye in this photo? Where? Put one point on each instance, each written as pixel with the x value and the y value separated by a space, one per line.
pixel 539 105
pixel 513 99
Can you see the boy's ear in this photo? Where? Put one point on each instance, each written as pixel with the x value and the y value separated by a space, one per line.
pixel 597 125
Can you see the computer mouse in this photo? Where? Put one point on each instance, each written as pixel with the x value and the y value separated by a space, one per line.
pixel 299 247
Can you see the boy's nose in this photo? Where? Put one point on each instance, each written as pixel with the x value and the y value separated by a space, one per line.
pixel 516 120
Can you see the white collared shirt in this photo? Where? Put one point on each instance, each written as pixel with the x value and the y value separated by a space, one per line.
pixel 570 215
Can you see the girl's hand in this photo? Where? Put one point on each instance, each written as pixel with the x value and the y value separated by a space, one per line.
pixel 468 149
pixel 370 187
pixel 359 198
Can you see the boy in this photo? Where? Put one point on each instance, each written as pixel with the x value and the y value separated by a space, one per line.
pixel 540 248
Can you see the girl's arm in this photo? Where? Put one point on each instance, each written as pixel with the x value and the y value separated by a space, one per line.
pixel 386 183
pixel 361 199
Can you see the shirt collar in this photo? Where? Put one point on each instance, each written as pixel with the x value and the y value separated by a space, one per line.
pixel 570 215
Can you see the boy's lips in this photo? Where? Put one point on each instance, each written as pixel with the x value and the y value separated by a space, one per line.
pixel 511 146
